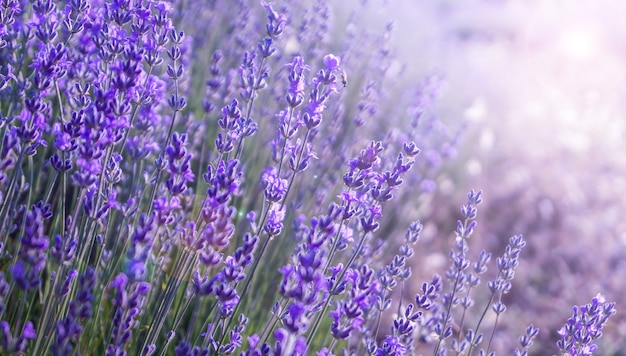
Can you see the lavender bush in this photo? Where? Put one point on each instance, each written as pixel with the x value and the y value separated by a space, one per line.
pixel 228 178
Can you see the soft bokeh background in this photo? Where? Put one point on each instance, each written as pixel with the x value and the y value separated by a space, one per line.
pixel 543 86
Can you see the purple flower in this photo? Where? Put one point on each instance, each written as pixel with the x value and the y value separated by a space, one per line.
pixel 289 343
pixel 331 62
pixel 33 252
pixel 140 248
pixel 178 165
pixel 350 313
pixel 585 327
pixel 323 85
pixel 391 346
pixel 68 329
pixel 185 349
pixel 274 223
pixel 275 187
pixel 129 301
pixel 297 82
pixel 17 344
pixel 526 340
pixel 276 21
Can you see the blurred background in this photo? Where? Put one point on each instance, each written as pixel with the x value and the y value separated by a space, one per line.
pixel 541 88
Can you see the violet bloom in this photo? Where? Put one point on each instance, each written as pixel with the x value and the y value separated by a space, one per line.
pixel 275 187
pixel 217 213
pixel 398 271
pixel 526 340
pixel 323 85
pixel 223 284
pixel 391 346
pixel 185 349
pixel 140 248
pixel 256 348
pixel 458 272
pixel 506 271
pixel 68 329
pixel 304 281
pixel 276 22
pixel 289 343
pixel 30 130
pixel 164 209
pixel 297 82
pixel 178 166
pixel 4 290
pixel 8 158
pixel 350 313
pixel 584 327
pixel 33 252
pixel 128 301
pixel 232 124
pixel 16 344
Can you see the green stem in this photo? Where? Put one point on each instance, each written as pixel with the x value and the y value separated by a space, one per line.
pixel 273 320
pixel 4 211
pixel 239 151
pixel 182 269
pixel 318 318
pixel 482 316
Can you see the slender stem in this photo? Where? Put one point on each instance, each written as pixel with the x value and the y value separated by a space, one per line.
pixel 63 196
pixel 48 307
pixel 333 249
pixel 239 151
pixel 461 333
pixel 293 176
pixel 447 314
pixel 399 312
pixel 194 316
pixel 493 331
pixel 482 316
pixel 58 91
pixel 185 263
pixel 4 211
pixel 206 322
pixel 158 173
pixel 319 316
pixel 134 114
pixel 211 329
pixel 332 346
pixel 273 320
pixel 380 312
pixel 282 151
pixel 179 314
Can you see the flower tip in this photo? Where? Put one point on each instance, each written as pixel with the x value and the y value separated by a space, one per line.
pixel 29 331
pixel 600 298
pixel 331 61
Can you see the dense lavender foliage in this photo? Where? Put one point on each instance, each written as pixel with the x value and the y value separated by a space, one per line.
pixel 228 177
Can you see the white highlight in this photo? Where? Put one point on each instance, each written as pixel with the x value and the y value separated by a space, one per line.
pixel 578 44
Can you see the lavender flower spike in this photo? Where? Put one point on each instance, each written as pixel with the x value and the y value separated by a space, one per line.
pixel 585 327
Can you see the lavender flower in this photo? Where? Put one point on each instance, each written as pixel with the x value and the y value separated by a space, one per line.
pixel 137 218
pixel 585 327
pixel 129 300
pixel 178 165
pixel 33 252
pixel 69 329
pixel 526 340
pixel 16 344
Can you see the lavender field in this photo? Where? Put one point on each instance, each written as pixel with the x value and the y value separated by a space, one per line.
pixel 245 177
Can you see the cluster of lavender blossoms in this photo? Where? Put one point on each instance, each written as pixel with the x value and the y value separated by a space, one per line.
pixel 200 178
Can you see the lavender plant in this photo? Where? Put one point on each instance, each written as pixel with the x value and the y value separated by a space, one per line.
pixel 169 191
